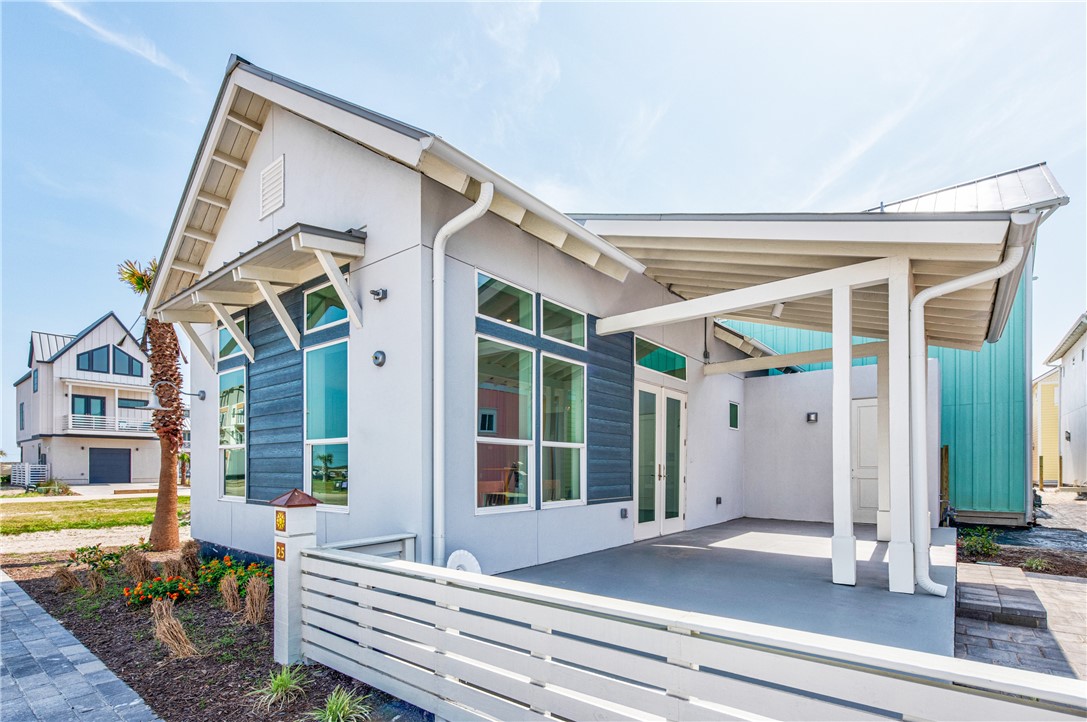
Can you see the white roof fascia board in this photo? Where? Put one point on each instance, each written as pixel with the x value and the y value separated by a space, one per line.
pixel 137 385
pixel 1070 339
pixel 523 198
pixel 851 228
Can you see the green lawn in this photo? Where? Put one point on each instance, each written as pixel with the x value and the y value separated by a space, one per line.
pixel 26 517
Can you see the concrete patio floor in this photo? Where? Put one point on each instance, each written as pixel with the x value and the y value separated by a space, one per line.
pixel 770 572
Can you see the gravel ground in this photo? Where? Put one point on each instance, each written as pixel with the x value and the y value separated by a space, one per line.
pixel 68 539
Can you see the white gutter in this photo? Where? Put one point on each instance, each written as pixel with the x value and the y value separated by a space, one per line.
pixel 440 149
pixel 457 223
pixel 1020 235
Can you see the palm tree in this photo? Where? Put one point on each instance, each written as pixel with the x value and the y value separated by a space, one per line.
pixel 326 461
pixel 164 355
pixel 183 461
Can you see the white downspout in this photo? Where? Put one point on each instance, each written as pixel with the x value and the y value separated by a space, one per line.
pixel 1020 234
pixel 457 223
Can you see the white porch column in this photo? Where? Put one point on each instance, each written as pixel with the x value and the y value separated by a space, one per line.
pixel 844 544
pixel 883 484
pixel 900 550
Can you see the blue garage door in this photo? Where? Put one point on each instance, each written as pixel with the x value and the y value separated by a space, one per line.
pixel 111 466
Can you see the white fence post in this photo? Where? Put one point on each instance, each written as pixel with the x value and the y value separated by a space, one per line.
pixel 295 530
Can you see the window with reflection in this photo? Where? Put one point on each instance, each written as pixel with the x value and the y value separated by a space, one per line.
pixel 326 423
pixel 227 345
pixel 324 308
pixel 504 437
pixel 563 324
pixel 232 432
pixel 504 302
pixel 562 416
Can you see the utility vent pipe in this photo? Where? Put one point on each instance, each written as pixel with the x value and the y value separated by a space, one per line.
pixel 1020 235
pixel 457 223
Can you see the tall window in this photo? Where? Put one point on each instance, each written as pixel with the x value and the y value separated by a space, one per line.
pixel 562 416
pixel 96 360
pixel 504 302
pixel 232 432
pixel 125 365
pixel 227 345
pixel 733 415
pixel 324 308
pixel 503 452
pixel 326 423
pixel 35 380
pixel 22 416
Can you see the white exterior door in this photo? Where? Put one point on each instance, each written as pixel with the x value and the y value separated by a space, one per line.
pixel 660 446
pixel 865 455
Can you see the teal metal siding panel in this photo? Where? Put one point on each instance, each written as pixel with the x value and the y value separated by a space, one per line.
pixel 984 399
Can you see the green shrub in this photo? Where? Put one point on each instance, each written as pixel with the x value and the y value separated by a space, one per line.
pixel 103 561
pixel 52 487
pixel 979 541
pixel 212 572
pixel 342 706
pixel 281 688
pixel 1036 564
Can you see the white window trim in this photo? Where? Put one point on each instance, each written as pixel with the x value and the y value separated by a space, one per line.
pixel 686 366
pixel 307 443
pixel 223 496
pixel 730 426
pixel 584 324
pixel 243 324
pixel 583 444
pixel 515 327
pixel 530 443
pixel 305 296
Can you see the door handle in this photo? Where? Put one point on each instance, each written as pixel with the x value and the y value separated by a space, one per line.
pixel 660 475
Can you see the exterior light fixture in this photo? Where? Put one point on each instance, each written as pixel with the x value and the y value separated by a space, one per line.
pixel 812 417
pixel 379 294
pixel 155 405
pixel 779 308
pixel 1067 435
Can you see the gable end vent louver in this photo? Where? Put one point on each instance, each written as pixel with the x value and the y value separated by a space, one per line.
pixel 271 188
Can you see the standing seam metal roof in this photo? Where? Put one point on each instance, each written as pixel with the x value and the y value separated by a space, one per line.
pixel 1027 188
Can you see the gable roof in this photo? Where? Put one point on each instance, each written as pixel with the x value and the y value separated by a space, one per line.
pixel 48 347
pixel 247 96
pixel 1029 188
pixel 1070 339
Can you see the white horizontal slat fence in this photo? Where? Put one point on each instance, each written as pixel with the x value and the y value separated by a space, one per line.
pixel 469 646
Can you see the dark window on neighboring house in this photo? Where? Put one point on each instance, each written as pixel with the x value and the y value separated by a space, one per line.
pixel 131 403
pixel 88 405
pixel 35 380
pixel 125 365
pixel 22 416
pixel 96 360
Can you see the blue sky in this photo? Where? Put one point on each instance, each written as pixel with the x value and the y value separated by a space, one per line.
pixel 594 107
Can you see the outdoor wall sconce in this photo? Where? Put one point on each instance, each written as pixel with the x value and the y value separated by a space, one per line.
pixel 1067 435
pixel 155 405
pixel 812 417
pixel 779 308
pixel 623 513
pixel 378 358
pixel 718 501
pixel 380 294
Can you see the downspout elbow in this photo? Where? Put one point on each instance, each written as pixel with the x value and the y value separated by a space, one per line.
pixel 1020 236
pixel 441 239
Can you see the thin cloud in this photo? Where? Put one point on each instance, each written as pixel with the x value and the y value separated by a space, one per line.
pixel 136 45
pixel 635 136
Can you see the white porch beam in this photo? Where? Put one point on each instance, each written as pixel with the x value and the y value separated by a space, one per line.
pixel 900 550
pixel 197 343
pixel 883 463
pixel 187 267
pixel 336 246
pixel 280 312
pixel 195 315
pixel 213 200
pixel 232 328
pixel 335 276
pixel 279 276
pixel 844 543
pixel 762 363
pixel 226 298
pixel 860 274
pixel 229 160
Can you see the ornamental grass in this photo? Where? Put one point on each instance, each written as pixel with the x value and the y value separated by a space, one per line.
pixel 138 566
pixel 169 631
pixel 228 590
pixel 256 599
pixel 95 582
pixel 66 580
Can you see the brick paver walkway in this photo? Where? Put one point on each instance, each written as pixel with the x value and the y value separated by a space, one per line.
pixel 1061 649
pixel 46 675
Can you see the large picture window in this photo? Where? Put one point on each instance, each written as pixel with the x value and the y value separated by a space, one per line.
pixel 96 360
pixel 126 365
pixel 504 476
pixel 227 345
pixel 326 423
pixel 232 432
pixel 504 302
pixel 562 416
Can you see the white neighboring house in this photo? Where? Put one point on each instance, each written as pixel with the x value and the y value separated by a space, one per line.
pixel 1071 354
pixel 79 408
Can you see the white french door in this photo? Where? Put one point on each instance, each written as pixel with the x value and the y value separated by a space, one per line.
pixel 660 433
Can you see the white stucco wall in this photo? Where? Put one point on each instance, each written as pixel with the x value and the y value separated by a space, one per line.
pixel 787 461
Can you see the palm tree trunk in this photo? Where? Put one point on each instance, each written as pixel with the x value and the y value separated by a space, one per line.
pixel 164 531
pixel 168 424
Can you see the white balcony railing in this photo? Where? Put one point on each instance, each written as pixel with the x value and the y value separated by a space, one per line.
pixel 87 422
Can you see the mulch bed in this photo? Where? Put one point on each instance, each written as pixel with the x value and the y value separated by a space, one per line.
pixel 234 659
pixel 1060 562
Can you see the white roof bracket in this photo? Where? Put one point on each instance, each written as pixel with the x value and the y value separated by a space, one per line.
pixel 280 312
pixel 335 276
pixel 232 328
pixel 197 343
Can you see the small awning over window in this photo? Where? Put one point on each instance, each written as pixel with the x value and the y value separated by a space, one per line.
pixel 286 260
